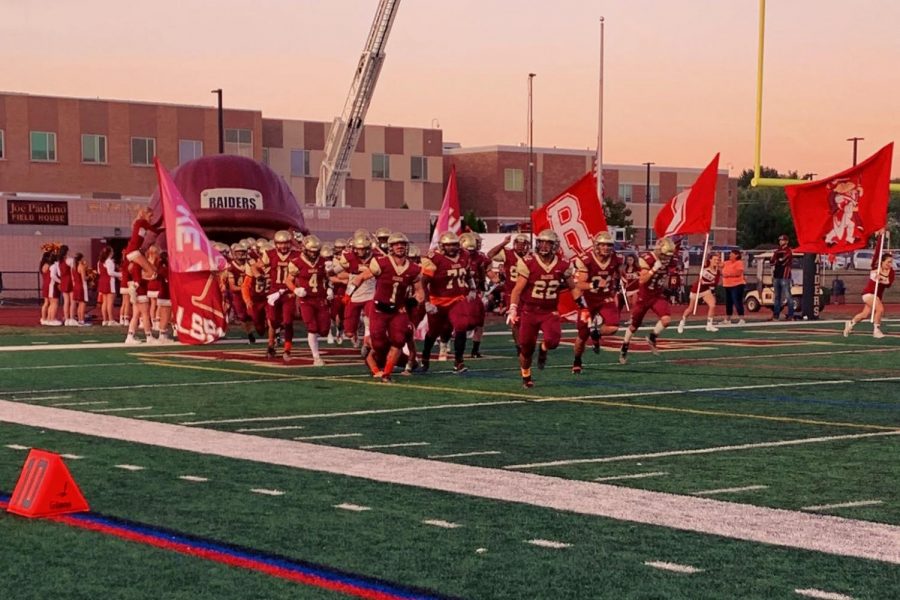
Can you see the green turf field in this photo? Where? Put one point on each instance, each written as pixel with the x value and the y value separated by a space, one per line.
pixel 792 417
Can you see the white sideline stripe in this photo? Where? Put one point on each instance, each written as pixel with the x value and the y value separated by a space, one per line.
pixel 266 492
pixel 78 346
pixel 123 409
pixel 822 595
pixel 815 440
pixel 184 414
pixel 635 476
pixel 400 445
pixel 843 505
pixel 441 523
pixel 78 366
pixel 283 428
pixel 352 507
pixel 674 567
pixel 90 341
pixel 462 454
pixel 72 456
pixel 796 529
pixel 193 478
pixel 143 386
pixel 36 344
pixel 41 398
pixel 330 436
pixel 734 490
pixel 130 467
pixel 353 413
pixel 88 403
pixel 18 447
pixel 548 544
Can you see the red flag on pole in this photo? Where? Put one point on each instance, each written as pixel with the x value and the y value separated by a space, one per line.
pixel 193 267
pixel 691 210
pixel 839 213
pixel 576 215
pixel 449 218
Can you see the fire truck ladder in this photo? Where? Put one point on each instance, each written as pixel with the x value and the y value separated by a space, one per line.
pixel 346 129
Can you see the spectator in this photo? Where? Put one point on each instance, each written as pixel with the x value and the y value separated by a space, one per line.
pixel 79 288
pixel 64 266
pixel 53 306
pixel 733 281
pixel 781 278
pixel 47 258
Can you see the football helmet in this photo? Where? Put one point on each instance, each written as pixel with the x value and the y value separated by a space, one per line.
pixel 362 245
pixel 312 246
pixel 413 252
pixel 398 244
pixel 547 243
pixel 283 241
pixel 603 243
pixel 340 245
pixel 469 241
pixel 327 251
pixel 449 243
pixel 664 250
pixel 521 244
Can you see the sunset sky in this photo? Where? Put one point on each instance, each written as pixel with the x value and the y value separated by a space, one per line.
pixel 680 76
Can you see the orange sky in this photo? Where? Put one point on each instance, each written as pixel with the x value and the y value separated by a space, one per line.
pixel 680 75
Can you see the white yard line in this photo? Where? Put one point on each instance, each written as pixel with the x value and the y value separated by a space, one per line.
pixel 40 398
pixel 464 454
pixel 634 476
pixel 193 478
pixel 733 490
pixel 256 429
pixel 548 544
pixel 130 467
pixel 121 409
pixel 400 445
pixel 441 523
pixel 787 528
pixel 330 436
pixel 822 595
pixel 266 492
pixel 153 386
pixel 674 567
pixel 184 414
pixel 353 413
pixel 85 403
pixel 820 507
pixel 72 456
pixel 352 507
pixel 18 447
pixel 714 449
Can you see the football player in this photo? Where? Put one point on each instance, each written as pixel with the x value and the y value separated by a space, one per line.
pixel 597 274
pixel 278 262
pixel 310 284
pixel 479 264
pixel 382 234
pixel 350 264
pixel 540 277
pixel 509 258
pixel 394 274
pixel 653 285
pixel 236 272
pixel 448 284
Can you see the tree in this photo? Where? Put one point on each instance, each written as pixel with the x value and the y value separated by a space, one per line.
pixel 619 215
pixel 471 222
pixel 763 212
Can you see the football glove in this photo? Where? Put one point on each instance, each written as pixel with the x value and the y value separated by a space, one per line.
pixel 329 294
pixel 300 292
pixel 512 315
pixel 272 298
pixel 430 308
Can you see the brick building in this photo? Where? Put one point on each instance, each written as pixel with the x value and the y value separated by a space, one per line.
pixel 493 181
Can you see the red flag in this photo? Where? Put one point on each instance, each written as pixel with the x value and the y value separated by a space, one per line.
pixel 691 210
pixel 193 267
pixel 576 216
pixel 839 213
pixel 449 219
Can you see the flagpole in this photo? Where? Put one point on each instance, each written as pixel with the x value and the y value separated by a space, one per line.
pixel 600 124
pixel 700 276
pixel 877 275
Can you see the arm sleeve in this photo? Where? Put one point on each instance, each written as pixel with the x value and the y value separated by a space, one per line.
pixel 54 273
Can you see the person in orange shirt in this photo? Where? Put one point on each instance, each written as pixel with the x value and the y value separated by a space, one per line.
pixel 733 281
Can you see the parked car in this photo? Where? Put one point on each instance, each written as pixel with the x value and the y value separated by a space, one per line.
pixel 841 261
pixel 862 259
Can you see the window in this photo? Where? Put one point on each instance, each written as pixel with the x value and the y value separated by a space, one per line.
pixel 2 146
pixel 189 150
pixel 381 166
pixel 43 146
pixel 513 180
pixel 239 141
pixel 265 157
pixel 299 163
pixel 142 151
pixel 418 168
pixel 625 192
pixel 93 148
pixel 654 193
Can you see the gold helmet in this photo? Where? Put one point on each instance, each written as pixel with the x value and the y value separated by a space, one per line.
pixel 364 232
pixel 414 251
pixel 361 240
pixel 547 242
pixel 282 237
pixel 398 244
pixel 469 241
pixel 340 245
pixel 298 237
pixel 312 243
pixel 382 234
pixel 397 238
pixel 603 243
pixel 664 249
pixel 521 243
pixel 449 243
pixel 327 251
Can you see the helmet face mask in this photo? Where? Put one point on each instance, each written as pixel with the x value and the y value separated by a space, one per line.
pixel 283 241
pixel 382 234
pixel 547 243
pixel 603 244
pixel 312 247
pixel 398 244
pixel 449 243
pixel 520 244
pixel 664 250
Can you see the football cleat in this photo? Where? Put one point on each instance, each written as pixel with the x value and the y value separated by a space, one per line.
pixel 576 369
pixel 877 333
pixel 527 382
pixel 270 352
pixel 460 367
pixel 475 355
pixel 542 358
pixel 623 355
pixel 286 357
pixel 318 362
pixel 848 327
pixel 681 326
pixel 651 341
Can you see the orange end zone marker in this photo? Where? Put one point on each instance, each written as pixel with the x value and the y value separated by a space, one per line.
pixel 46 488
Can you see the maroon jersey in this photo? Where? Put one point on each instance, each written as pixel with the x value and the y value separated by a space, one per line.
pixel 544 281
pixel 448 276
pixel 510 265
pixel 392 280
pixel 631 279
pixel 884 282
pixel 479 264
pixel 708 280
pixel 139 230
pixel 311 277
pixel 352 263
pixel 657 285
pixel 602 274
pixel 237 272
pixel 279 267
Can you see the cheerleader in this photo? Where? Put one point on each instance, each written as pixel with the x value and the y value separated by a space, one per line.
pixel 879 280
pixel 705 288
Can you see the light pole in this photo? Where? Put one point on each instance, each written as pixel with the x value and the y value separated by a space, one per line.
pixel 218 92
pixel 529 195
pixel 855 140
pixel 647 216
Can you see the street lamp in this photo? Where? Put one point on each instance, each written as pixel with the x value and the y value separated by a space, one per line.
pixel 218 92
pixel 647 216
pixel 855 140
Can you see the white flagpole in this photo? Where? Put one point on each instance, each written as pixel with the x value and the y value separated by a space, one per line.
pixel 877 275
pixel 600 124
pixel 700 275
